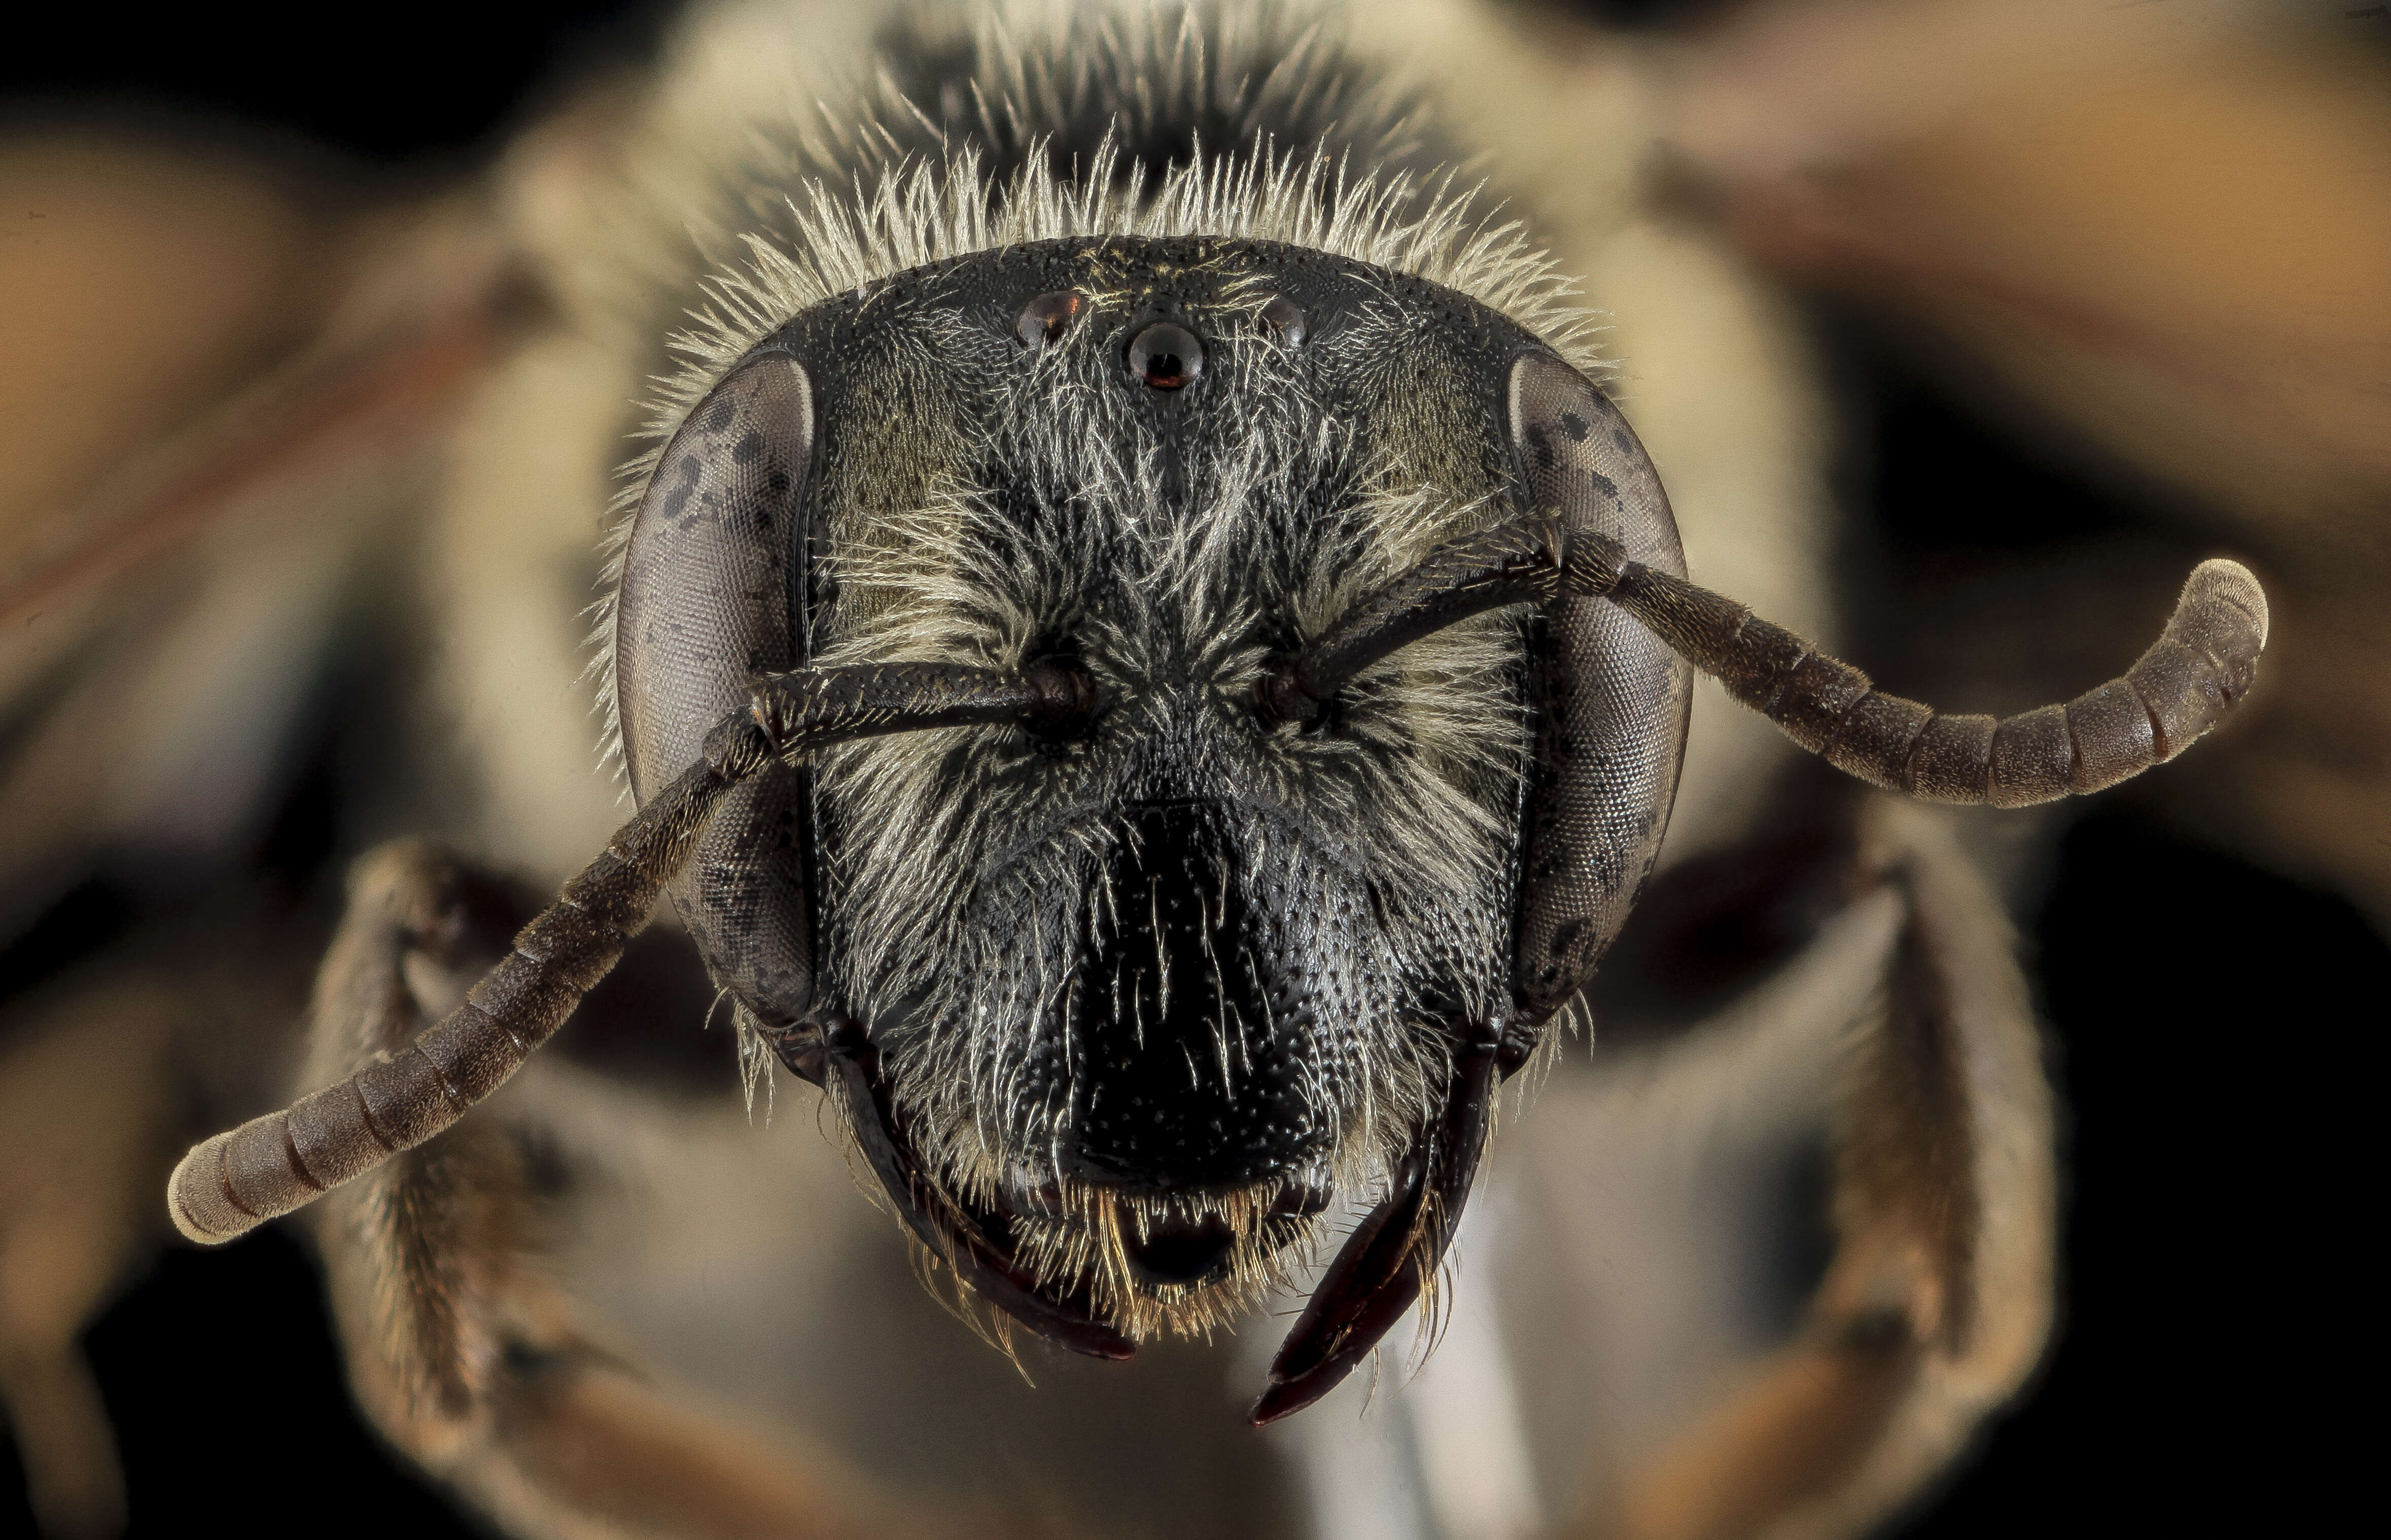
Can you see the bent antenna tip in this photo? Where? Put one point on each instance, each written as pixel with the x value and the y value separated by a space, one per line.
pixel 2222 581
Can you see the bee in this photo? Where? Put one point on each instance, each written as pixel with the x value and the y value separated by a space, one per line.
pixel 1153 669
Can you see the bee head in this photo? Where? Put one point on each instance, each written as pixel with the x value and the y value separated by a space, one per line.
pixel 1120 1005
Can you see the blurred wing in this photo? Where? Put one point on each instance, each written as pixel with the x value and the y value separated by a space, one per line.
pixel 218 401
pixel 2159 230
pixel 256 392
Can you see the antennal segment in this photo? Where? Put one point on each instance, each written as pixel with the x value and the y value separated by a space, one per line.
pixel 270 1166
pixel 2198 670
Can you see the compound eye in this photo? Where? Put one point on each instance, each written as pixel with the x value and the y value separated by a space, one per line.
pixel 1284 317
pixel 1166 355
pixel 1045 319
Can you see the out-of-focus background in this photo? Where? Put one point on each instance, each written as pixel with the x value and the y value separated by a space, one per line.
pixel 2100 293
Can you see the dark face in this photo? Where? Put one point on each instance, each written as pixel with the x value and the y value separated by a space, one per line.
pixel 1141 997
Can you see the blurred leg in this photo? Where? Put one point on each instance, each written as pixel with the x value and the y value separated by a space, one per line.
pixel 1937 1302
pixel 460 1349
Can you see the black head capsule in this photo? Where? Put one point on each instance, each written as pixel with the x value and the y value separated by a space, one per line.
pixel 1285 319
pixel 1045 319
pixel 1166 356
